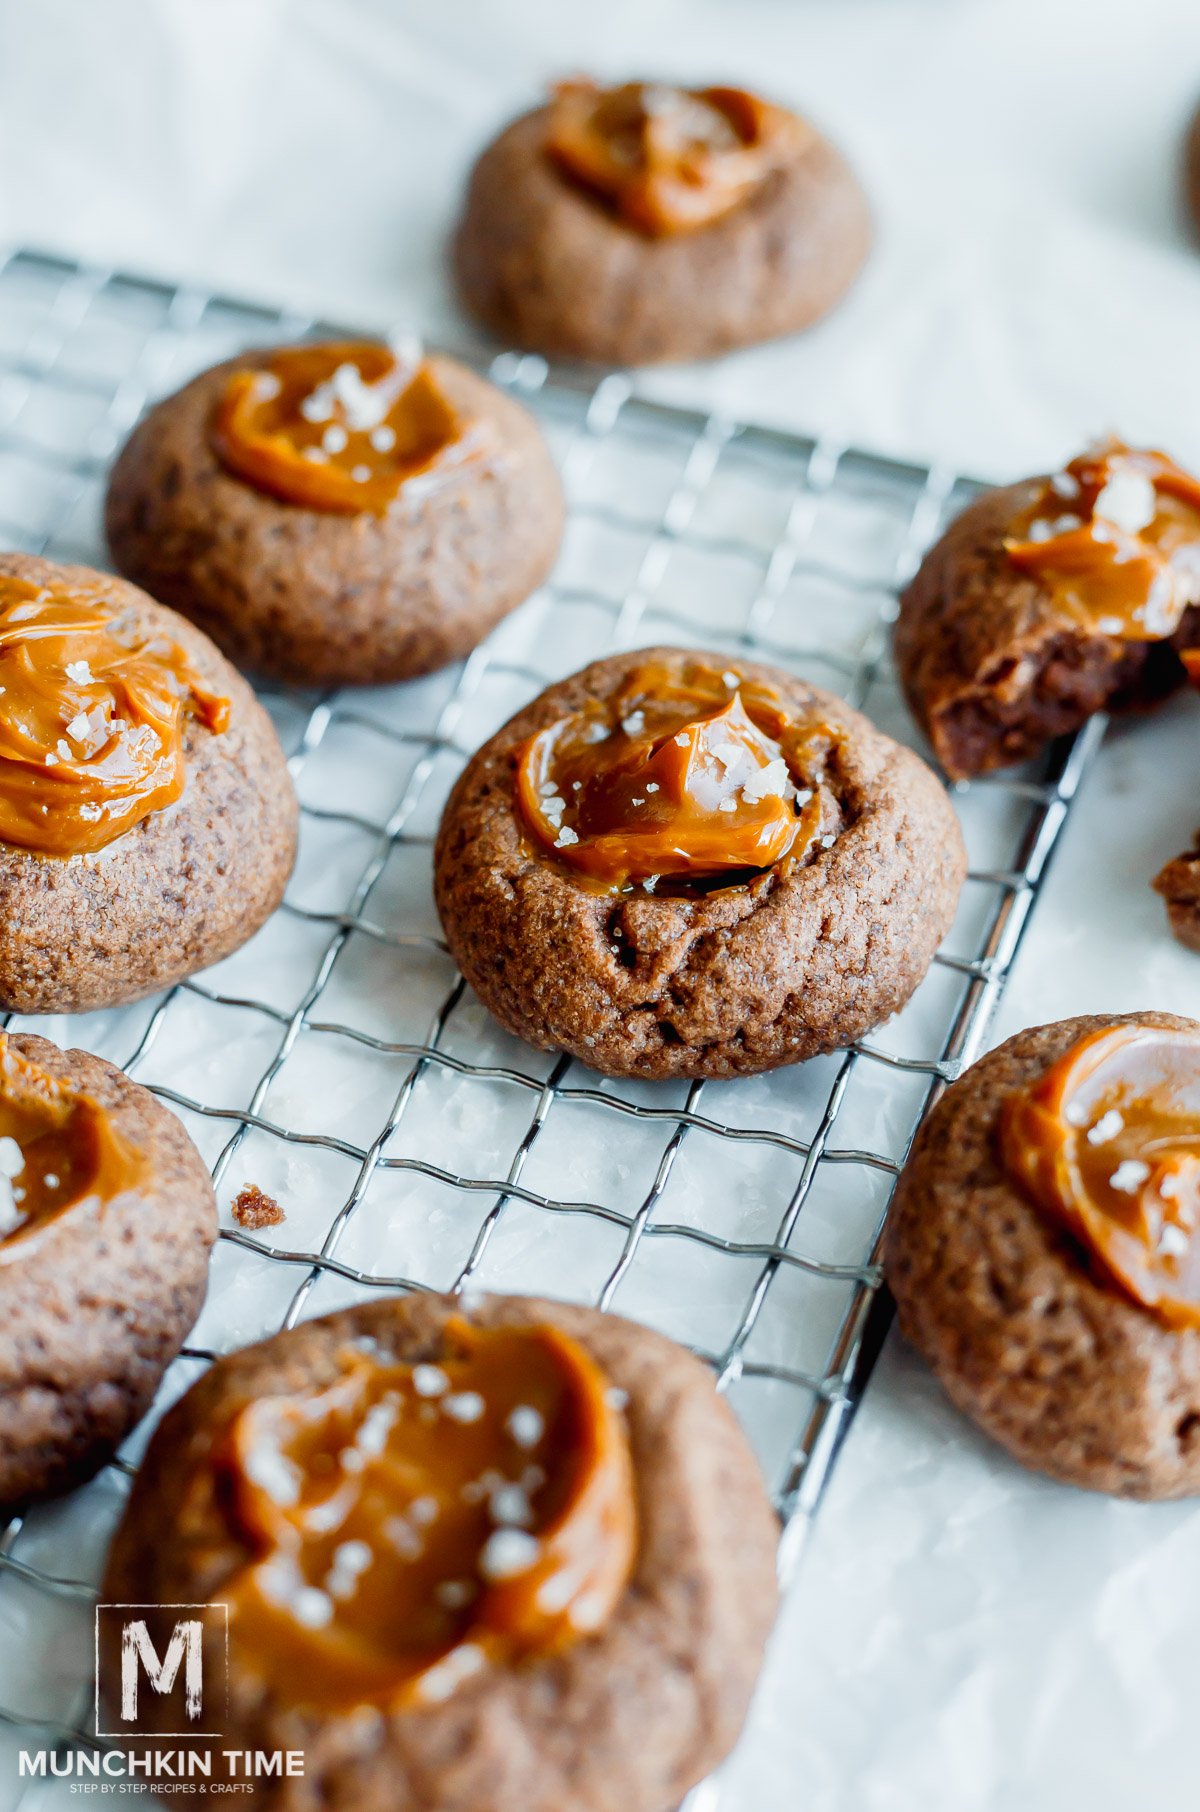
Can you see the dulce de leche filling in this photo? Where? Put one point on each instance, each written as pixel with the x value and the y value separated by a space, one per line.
pixel 415 1524
pixel 1115 538
pixel 1107 1142
pixel 679 781
pixel 669 160
pixel 58 1147
pixel 91 720
pixel 342 426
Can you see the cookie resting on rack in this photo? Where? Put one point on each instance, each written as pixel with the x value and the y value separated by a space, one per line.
pixel 645 222
pixel 337 513
pixel 1050 600
pixel 1043 1249
pixel 147 817
pixel 502 1555
pixel 677 864
pixel 107 1215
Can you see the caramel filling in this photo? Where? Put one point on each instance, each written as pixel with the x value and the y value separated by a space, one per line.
pixel 342 427
pixel 413 1525
pixel 1108 1143
pixel 1115 539
pixel 57 1147
pixel 676 782
pixel 669 160
pixel 91 720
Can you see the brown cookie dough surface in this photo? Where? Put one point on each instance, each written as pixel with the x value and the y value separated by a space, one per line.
pixel 179 890
pixel 316 598
pixel 94 1311
pixel 629 1717
pixel 728 983
pixel 991 670
pixel 1071 1375
pixel 545 265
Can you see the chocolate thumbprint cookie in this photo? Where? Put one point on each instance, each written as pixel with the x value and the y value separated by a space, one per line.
pixel 107 1215
pixel 345 512
pixel 509 1556
pixel 1044 1250
pixel 1050 600
pixel 646 222
pixel 675 865
pixel 147 817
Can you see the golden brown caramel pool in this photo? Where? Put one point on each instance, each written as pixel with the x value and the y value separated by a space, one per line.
pixel 1115 538
pixel 669 160
pixel 58 1146
pixel 678 780
pixel 91 720
pixel 341 426
pixel 1107 1141
pixel 414 1524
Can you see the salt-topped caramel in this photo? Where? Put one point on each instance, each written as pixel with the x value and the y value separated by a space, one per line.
pixel 412 1525
pixel 92 719
pixel 58 1148
pixel 340 426
pixel 1115 539
pixel 1107 1142
pixel 669 160
pixel 679 780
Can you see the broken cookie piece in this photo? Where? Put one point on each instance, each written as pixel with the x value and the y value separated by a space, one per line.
pixel 1179 884
pixel 1048 601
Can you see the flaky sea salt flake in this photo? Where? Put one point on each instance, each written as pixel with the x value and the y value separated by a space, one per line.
pixel 507 1553
pixel 526 1425
pixel 429 1380
pixel 767 782
pixel 1107 1127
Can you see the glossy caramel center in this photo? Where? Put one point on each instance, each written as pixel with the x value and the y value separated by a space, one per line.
pixel 91 720
pixel 687 779
pixel 1115 539
pixel 1108 1143
pixel 669 160
pixel 342 427
pixel 414 1525
pixel 58 1146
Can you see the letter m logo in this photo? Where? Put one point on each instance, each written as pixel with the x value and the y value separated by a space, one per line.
pixel 161 1665
pixel 138 1655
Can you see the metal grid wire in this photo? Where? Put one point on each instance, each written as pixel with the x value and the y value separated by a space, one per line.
pixel 683 526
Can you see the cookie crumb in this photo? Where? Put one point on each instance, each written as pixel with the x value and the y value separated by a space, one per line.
pixel 252 1209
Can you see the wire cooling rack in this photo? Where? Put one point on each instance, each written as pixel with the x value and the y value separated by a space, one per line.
pixel 339 1062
